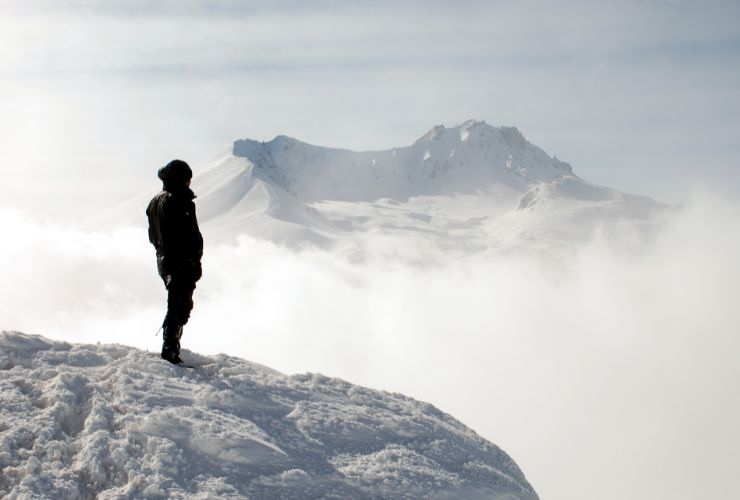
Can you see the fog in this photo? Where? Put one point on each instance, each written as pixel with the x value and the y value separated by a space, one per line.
pixel 609 374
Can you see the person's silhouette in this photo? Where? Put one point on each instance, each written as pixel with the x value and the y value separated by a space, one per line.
pixel 174 232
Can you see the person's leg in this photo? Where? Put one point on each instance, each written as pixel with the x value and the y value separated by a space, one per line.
pixel 179 301
pixel 171 344
pixel 179 305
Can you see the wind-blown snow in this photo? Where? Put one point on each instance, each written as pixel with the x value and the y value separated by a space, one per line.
pixel 109 421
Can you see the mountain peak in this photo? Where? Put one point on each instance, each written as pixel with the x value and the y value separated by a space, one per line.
pixel 246 148
pixel 459 160
pixel 434 133
pixel 249 148
pixel 472 123
pixel 479 128
pixel 284 139
pixel 295 193
pixel 463 130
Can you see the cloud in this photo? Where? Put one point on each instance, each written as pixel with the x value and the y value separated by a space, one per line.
pixel 609 373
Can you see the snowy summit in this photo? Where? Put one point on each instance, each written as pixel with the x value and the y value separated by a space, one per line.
pixel 472 187
pixel 109 421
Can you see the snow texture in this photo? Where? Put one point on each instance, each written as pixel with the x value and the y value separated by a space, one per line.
pixel 472 188
pixel 109 421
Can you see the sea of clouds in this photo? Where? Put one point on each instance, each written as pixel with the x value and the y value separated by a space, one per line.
pixel 606 373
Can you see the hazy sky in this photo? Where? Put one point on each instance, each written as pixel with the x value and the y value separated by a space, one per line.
pixel 642 96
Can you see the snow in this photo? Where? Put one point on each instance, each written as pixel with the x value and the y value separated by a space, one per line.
pixel 109 421
pixel 329 197
pixel 298 194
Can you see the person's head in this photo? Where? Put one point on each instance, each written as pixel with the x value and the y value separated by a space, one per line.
pixel 175 174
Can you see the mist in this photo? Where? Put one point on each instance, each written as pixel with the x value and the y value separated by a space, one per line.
pixel 610 373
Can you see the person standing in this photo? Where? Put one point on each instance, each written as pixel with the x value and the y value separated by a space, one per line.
pixel 174 232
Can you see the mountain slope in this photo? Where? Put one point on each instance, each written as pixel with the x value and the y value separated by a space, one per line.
pixel 469 188
pixel 108 421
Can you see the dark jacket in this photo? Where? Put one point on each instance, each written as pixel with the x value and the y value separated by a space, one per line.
pixel 174 232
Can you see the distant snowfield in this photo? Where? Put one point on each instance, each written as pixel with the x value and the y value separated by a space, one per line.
pixel 109 421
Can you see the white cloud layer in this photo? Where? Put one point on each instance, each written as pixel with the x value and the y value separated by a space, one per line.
pixel 608 375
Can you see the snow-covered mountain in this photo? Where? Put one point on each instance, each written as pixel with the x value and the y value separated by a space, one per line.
pixel 471 187
pixel 109 421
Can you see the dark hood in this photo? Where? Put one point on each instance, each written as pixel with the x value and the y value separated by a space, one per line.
pixel 175 174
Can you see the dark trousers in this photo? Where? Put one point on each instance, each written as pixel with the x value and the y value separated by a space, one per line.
pixel 179 301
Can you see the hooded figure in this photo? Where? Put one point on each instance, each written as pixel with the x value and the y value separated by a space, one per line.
pixel 173 230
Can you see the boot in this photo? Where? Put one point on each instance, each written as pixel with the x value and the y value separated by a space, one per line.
pixel 171 344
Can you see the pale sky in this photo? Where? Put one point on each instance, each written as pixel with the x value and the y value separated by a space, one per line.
pixel 642 96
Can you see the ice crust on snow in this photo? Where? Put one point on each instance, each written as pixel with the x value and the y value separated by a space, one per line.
pixel 109 421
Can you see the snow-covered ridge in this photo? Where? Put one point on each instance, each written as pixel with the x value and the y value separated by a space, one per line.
pixel 473 187
pixel 462 159
pixel 469 188
pixel 109 421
